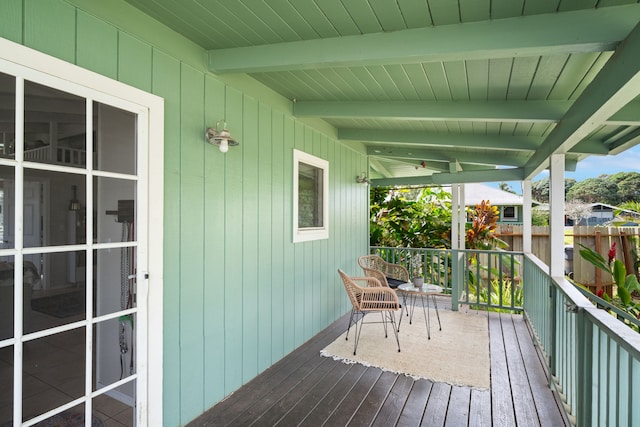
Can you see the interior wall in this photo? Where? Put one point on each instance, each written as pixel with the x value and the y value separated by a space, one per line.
pixel 239 295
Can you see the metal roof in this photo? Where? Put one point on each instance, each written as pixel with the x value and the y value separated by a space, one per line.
pixel 488 87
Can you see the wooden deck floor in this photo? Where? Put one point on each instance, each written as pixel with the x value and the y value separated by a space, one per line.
pixel 306 389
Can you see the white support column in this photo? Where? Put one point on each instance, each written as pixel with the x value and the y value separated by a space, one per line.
pixel 462 218
pixel 455 206
pixel 556 215
pixel 526 216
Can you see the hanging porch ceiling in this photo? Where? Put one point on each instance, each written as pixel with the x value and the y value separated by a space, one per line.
pixel 489 87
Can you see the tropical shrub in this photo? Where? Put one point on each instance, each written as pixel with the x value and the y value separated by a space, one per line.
pixel 410 218
pixel 626 284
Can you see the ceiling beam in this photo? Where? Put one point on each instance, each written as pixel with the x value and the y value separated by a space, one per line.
pixel 433 139
pixel 469 156
pixel 625 142
pixel 377 166
pixel 462 111
pixel 423 139
pixel 487 175
pixel 615 86
pixel 592 30
pixel 485 111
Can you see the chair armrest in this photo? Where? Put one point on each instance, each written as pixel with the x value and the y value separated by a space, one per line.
pixel 379 298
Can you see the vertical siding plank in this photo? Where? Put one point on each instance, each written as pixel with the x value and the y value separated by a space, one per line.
pixel 93 32
pixel 134 63
pixel 265 292
pixel 289 249
pixel 250 212
pixel 50 27
pixel 308 284
pixel 233 279
pixel 317 264
pixel 278 239
pixel 299 261
pixel 191 244
pixel 166 83
pixel 324 254
pixel 11 13
pixel 214 268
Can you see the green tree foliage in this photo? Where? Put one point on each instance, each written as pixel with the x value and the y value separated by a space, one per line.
pixel 595 190
pixel 400 218
pixel 628 185
pixel 539 217
pixel 540 189
pixel 610 189
pixel 506 187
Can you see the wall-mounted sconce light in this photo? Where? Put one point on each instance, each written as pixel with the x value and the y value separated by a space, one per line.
pixel 363 179
pixel 221 138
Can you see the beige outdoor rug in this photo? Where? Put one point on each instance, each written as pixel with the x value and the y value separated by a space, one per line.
pixel 457 355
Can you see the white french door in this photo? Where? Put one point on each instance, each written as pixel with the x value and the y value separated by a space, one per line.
pixel 74 263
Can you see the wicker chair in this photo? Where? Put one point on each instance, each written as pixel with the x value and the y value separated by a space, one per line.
pixel 375 297
pixel 393 275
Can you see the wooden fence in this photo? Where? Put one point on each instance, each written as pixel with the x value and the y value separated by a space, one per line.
pixel 597 238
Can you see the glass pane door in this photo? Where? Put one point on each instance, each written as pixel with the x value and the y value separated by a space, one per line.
pixel 69 185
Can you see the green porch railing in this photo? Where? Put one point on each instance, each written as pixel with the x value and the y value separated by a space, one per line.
pixel 593 359
pixel 480 279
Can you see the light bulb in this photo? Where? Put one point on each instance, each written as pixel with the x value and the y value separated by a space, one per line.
pixel 224 145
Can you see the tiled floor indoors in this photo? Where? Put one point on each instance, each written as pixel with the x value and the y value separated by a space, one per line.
pixel 54 369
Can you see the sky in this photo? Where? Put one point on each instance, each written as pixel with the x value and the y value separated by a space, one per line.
pixel 594 166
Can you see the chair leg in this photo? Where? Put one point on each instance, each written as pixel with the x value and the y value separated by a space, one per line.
pixel 384 324
pixel 351 322
pixel 358 332
pixel 392 319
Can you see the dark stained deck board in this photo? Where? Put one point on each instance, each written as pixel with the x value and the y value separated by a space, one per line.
pixel 394 403
pixel 368 410
pixel 307 389
pixel 278 378
pixel 317 393
pixel 415 404
pixel 325 407
pixel 434 414
pixel 344 412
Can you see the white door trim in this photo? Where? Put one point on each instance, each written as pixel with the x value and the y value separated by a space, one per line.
pixel 56 73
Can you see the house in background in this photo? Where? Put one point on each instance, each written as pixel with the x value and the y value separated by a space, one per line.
pixel 604 214
pixel 187 264
pixel 509 204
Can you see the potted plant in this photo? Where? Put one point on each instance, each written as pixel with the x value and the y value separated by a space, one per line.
pixel 416 271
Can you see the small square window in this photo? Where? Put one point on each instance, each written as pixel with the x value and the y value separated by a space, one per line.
pixel 509 213
pixel 310 197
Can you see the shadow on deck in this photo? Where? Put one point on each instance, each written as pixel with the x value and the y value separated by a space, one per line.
pixel 306 389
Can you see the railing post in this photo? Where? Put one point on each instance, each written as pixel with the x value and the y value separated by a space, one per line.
pixel 584 343
pixel 456 278
pixel 553 301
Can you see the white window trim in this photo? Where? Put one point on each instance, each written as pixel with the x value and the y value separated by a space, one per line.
pixel 58 74
pixel 315 233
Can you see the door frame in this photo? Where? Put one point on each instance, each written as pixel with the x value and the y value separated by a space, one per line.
pixel 150 282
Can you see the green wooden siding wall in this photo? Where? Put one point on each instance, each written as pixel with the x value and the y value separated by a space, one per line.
pixel 238 294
